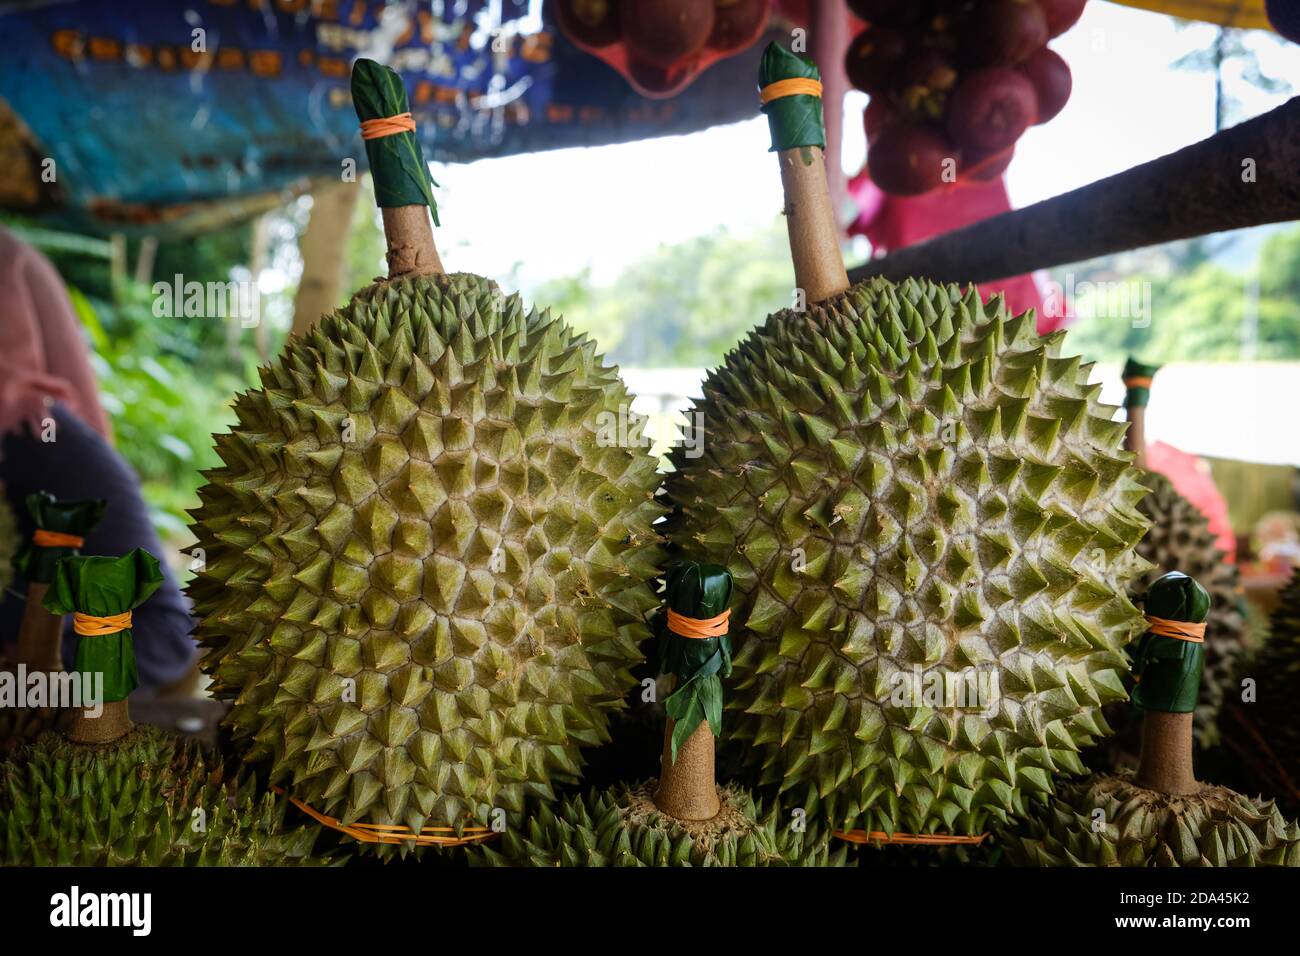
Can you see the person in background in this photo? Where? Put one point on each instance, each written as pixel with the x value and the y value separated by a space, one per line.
pixel 45 377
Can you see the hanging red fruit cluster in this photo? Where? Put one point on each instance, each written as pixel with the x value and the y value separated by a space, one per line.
pixel 954 84
pixel 661 45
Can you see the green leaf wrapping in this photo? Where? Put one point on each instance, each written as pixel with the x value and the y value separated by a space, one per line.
pixel 35 562
pixel 793 121
pixel 1168 668
pixel 1137 396
pixel 397 164
pixel 103 586
pixel 697 591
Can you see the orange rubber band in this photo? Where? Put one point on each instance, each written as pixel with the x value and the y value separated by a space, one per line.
pixel 917 839
pixel 696 627
pixel 56 539
pixel 1138 382
pixel 88 625
pixel 387 126
pixel 391 834
pixel 1183 630
pixel 795 86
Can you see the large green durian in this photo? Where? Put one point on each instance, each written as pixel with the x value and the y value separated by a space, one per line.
pixel 1180 540
pixel 904 477
pixel 1110 821
pixel 149 799
pixel 426 556
pixel 622 827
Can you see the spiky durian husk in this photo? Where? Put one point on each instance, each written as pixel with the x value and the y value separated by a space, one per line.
pixel 959 498
pixel 1274 715
pixel 134 803
pixel 1140 827
pixel 8 541
pixel 1180 540
pixel 420 499
pixel 620 826
pixel 22 725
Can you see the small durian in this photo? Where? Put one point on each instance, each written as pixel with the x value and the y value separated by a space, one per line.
pixel 913 490
pixel 427 549
pixel 622 826
pixel 1161 815
pixel 148 799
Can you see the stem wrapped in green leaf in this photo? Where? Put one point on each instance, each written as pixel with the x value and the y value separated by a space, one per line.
pixel 797 120
pixel 697 591
pixel 36 562
pixel 397 164
pixel 1169 668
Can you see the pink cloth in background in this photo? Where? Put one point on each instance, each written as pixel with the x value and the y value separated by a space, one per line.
pixel 1191 477
pixel 43 354
pixel 892 222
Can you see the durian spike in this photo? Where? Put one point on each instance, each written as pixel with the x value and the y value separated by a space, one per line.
pixel 1137 393
pixel 61 527
pixel 1170 657
pixel 398 169
pixel 790 89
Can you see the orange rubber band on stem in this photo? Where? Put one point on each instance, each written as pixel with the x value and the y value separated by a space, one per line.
pixel 89 625
pixel 387 126
pixel 56 539
pixel 1183 630
pixel 698 628
pixel 916 839
pixel 390 834
pixel 1142 381
pixel 795 86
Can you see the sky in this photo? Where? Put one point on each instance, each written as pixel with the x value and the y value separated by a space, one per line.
pixel 527 219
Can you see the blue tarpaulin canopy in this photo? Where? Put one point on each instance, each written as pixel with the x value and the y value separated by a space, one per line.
pixel 176 117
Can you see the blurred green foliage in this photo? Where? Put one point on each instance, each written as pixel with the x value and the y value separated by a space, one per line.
pixel 1200 311
pixel 166 383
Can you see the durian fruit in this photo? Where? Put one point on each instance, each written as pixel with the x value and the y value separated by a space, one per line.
pixel 910 484
pixel 427 553
pixel 1162 815
pixel 1262 734
pixel 1180 537
pixel 621 826
pixel 150 799
pixel 1109 820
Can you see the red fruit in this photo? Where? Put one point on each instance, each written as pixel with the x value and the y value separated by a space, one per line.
pixel 878 114
pixel 983 167
pixel 874 57
pixel 1050 76
pixel 909 160
pixel 1061 14
pixel 666 31
pixel 894 12
pixel 593 22
pixel 736 23
pixel 1005 32
pixel 655 81
pixel 991 108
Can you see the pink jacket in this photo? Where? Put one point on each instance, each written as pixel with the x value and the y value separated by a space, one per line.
pixel 43 354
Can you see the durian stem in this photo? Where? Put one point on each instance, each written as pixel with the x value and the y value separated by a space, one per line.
pixel 1166 763
pixel 112 724
pixel 40 636
pixel 687 787
pixel 409 234
pixel 810 219
pixel 1135 440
